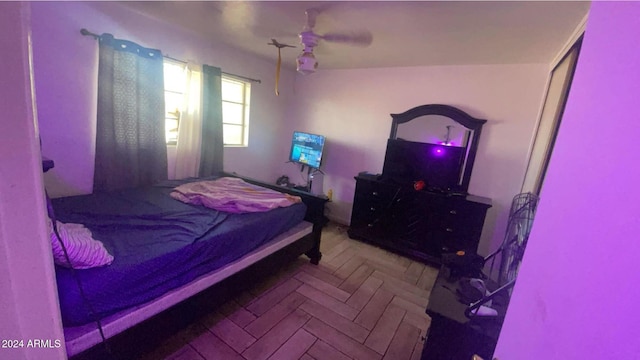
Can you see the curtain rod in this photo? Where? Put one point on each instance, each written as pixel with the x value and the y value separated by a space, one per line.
pixel 86 32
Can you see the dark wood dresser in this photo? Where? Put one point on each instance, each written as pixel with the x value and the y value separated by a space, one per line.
pixel 420 224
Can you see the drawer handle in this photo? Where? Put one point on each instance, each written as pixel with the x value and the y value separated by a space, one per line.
pixel 375 193
pixel 370 225
pixel 453 212
pixel 373 209
pixel 449 230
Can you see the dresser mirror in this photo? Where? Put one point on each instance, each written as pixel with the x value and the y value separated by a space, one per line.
pixel 444 125
pixel 434 129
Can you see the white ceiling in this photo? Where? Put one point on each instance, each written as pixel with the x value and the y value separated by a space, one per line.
pixel 411 33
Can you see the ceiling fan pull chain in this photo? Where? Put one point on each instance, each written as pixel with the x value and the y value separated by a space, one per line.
pixel 278 72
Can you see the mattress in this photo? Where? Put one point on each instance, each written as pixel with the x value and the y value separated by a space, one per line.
pixel 158 244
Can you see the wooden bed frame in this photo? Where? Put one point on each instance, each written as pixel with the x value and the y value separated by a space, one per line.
pixel 315 211
pixel 138 330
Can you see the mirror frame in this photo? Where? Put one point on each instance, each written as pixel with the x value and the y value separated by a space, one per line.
pixel 454 114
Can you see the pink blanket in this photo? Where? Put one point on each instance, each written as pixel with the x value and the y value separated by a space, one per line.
pixel 232 195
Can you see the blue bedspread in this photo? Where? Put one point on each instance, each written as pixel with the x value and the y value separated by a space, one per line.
pixel 158 244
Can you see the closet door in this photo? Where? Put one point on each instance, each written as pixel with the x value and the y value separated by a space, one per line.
pixel 552 112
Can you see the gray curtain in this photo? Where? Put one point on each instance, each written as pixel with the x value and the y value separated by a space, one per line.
pixel 212 142
pixel 131 148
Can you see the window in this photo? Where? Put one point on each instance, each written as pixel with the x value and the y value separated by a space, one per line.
pixel 174 83
pixel 235 111
pixel 235 105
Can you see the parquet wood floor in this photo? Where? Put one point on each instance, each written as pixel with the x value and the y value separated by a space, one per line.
pixel 361 302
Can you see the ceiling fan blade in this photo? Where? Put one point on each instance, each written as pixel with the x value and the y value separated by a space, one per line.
pixel 360 38
pixel 278 44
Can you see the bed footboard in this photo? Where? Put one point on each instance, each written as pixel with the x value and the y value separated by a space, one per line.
pixel 129 337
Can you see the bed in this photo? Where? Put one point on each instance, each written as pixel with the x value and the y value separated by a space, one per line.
pixel 166 251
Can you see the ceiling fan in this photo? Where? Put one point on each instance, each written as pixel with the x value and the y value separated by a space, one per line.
pixel 306 61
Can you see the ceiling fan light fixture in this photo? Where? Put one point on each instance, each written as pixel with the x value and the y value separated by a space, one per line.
pixel 306 63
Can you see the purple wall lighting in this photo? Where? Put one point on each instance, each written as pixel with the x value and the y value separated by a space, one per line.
pixel 577 291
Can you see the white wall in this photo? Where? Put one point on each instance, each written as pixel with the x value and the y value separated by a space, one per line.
pixel 66 66
pixel 28 298
pixel 577 290
pixel 352 107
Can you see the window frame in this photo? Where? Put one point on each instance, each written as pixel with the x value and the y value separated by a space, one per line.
pixel 246 104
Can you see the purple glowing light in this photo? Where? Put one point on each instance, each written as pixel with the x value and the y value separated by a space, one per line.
pixel 438 151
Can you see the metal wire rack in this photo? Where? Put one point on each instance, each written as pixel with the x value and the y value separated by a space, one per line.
pixel 523 209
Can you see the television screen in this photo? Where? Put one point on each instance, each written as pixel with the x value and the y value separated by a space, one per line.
pixel 439 166
pixel 307 149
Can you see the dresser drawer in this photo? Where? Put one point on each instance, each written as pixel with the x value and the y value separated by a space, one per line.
pixel 458 224
pixel 373 231
pixel 418 223
pixel 375 193
pixel 459 237
pixel 449 244
pixel 371 204
pixel 461 227
pixel 365 212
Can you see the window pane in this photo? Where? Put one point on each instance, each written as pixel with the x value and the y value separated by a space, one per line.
pixel 172 102
pixel 232 113
pixel 171 126
pixel 174 77
pixel 174 86
pixel 232 134
pixel 232 90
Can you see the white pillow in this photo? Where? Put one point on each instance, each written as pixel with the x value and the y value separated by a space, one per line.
pixel 84 251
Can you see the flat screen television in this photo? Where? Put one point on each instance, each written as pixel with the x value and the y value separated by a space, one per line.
pixel 307 149
pixel 439 166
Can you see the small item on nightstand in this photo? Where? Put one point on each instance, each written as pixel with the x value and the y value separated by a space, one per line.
pixel 283 181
